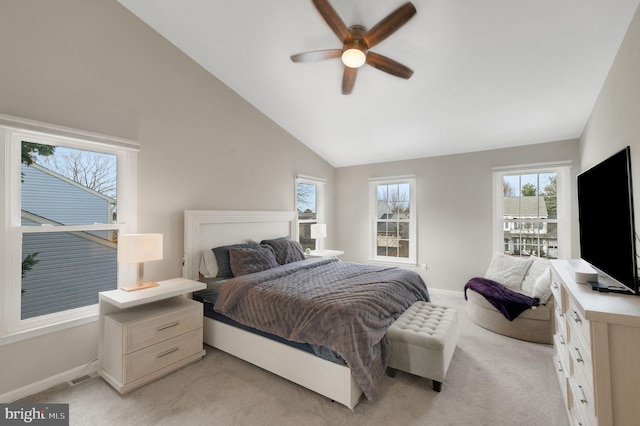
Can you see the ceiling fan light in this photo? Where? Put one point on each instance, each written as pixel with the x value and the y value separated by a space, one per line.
pixel 353 57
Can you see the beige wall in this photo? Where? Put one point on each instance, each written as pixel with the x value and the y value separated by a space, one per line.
pixel 454 195
pixel 615 119
pixel 92 65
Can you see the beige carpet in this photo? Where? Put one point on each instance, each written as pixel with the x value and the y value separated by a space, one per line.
pixel 492 380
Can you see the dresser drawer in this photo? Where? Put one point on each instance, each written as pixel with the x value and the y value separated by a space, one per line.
pixel 582 408
pixel 581 364
pixel 579 326
pixel 560 322
pixel 556 290
pixel 563 379
pixel 583 390
pixel 562 351
pixel 148 360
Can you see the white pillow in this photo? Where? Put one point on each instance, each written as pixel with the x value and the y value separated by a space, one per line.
pixel 542 287
pixel 208 264
pixel 536 269
pixel 508 270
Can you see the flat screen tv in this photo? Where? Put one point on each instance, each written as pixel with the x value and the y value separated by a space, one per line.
pixel 607 228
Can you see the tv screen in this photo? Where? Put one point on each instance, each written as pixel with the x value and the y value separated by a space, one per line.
pixel 605 209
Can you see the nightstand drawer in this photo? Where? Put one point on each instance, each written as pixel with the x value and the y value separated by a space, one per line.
pixel 162 327
pixel 148 360
pixel 146 325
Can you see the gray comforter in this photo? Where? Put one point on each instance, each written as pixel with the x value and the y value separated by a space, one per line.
pixel 344 306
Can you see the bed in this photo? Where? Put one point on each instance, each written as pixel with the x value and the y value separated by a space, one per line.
pixel 328 365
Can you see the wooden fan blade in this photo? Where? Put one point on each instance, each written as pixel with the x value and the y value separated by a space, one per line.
pixel 333 20
pixel 316 55
pixel 388 65
pixel 348 80
pixel 389 25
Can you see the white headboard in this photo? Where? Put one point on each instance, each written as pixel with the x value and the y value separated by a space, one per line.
pixel 206 229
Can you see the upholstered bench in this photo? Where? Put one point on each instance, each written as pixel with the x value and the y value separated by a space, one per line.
pixel 423 340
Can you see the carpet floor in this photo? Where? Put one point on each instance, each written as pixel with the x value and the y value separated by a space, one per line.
pixel 492 380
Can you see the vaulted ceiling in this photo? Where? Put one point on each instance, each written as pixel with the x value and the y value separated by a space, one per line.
pixel 487 74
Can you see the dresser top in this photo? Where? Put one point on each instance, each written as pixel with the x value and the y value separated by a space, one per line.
pixel 611 308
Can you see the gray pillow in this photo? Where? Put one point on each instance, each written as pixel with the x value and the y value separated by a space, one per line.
pixel 222 257
pixel 249 260
pixel 286 251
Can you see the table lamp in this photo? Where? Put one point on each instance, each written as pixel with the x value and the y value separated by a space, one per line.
pixel 139 248
pixel 318 231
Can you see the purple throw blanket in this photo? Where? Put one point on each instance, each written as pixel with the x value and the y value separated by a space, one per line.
pixel 344 306
pixel 507 301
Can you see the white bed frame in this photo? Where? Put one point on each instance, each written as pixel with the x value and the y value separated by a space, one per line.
pixel 206 229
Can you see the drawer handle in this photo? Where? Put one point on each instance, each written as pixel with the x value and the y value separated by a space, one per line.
pixel 555 285
pixel 167 352
pixel 575 316
pixel 560 367
pixel 578 355
pixel 164 327
pixel 583 397
pixel 561 338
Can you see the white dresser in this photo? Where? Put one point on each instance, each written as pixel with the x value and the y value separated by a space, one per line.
pixel 597 351
pixel 149 333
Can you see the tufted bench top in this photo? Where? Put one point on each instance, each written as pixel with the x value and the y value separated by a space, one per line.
pixel 424 324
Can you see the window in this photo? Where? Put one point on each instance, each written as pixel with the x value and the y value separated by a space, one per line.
pixel 393 219
pixel 310 206
pixel 67 194
pixel 531 211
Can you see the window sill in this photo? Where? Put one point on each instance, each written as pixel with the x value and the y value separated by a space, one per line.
pixel 18 336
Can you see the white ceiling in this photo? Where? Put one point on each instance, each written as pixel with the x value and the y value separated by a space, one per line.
pixel 487 74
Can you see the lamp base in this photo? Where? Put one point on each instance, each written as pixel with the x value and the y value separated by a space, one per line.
pixel 140 286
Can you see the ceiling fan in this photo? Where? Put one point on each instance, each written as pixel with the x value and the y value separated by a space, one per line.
pixel 356 42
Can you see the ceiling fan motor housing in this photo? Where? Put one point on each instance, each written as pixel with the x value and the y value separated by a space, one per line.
pixel 354 52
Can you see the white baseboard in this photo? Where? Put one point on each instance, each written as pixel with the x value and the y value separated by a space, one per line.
pixel 42 385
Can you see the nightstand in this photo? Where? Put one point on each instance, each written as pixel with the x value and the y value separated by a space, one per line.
pixel 147 334
pixel 324 253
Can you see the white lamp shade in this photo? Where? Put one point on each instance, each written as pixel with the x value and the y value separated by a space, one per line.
pixel 318 230
pixel 139 248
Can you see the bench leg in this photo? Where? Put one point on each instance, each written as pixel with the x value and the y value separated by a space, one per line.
pixel 391 372
pixel 437 386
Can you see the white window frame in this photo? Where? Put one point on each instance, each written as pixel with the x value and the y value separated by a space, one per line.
pixel 13 131
pixel 413 233
pixel 563 172
pixel 320 205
